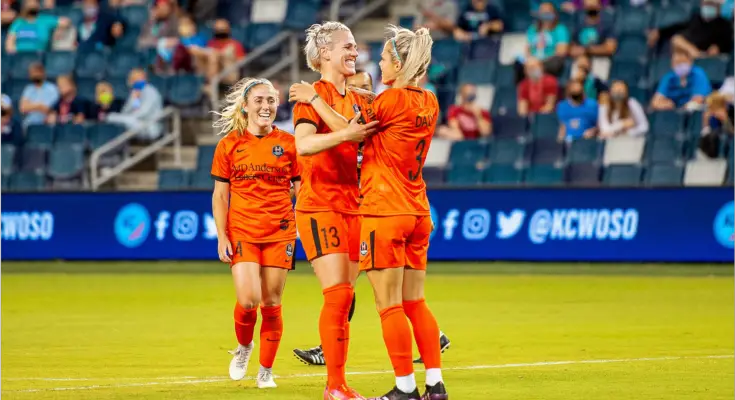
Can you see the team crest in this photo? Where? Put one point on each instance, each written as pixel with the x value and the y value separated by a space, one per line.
pixel 289 249
pixel 363 249
pixel 277 150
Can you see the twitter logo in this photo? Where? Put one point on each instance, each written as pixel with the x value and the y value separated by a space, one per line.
pixel 510 224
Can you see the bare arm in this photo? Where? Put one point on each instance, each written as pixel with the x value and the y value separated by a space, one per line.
pixel 308 142
pixel 220 204
pixel 522 107
pixel 10 43
pixel 679 41
pixel 604 49
pixel 549 105
pixel 486 127
pixel 334 120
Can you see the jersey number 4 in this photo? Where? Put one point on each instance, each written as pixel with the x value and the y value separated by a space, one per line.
pixel 420 148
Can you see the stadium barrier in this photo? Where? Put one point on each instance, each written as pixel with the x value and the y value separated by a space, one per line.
pixel 631 225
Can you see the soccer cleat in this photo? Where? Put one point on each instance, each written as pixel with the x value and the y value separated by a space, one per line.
pixel 342 393
pixel 444 344
pixel 239 363
pixel 265 378
pixel 436 392
pixel 397 394
pixel 313 356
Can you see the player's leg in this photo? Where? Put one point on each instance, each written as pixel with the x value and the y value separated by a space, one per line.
pixel 246 276
pixel 425 329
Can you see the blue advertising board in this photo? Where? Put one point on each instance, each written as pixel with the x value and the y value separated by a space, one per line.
pixel 653 225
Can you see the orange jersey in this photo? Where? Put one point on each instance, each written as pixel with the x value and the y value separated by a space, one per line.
pixel 329 179
pixel 393 158
pixel 260 172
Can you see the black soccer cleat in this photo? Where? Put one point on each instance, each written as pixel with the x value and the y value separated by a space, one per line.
pixel 397 394
pixel 444 344
pixel 436 392
pixel 313 356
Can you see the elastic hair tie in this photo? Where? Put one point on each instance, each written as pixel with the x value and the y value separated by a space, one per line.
pixel 395 50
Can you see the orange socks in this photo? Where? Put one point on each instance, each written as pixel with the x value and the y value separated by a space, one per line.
pixel 334 333
pixel 397 337
pixel 271 331
pixel 245 324
pixel 426 331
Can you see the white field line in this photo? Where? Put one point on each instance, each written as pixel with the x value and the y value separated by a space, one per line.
pixel 184 380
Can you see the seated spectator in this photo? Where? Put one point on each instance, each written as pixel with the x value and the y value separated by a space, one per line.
pixel 361 80
pixel 364 60
pixel 439 16
pixel 10 10
pixel 594 87
pixel 100 27
pixel 548 40
pixel 38 97
pixel 623 115
pixel 705 34
pixel 728 90
pixel 104 104
pixel 11 128
pixel 142 107
pixel 163 25
pixel 567 6
pixel 685 86
pixel 717 115
pixel 577 114
pixel 595 36
pixel 64 38
pixel 32 31
pixel 227 50
pixel 479 20
pixel 204 59
pixel 70 108
pixel 466 120
pixel 537 93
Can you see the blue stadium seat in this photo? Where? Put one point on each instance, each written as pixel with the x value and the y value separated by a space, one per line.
pixel 509 126
pixel 66 162
pixel 694 125
pixel 468 152
pixel 205 157
pixel 8 159
pixel 21 62
pixel 173 179
pixel 631 72
pixel 91 65
pixel 503 174
pixel 477 72
pixel 301 15
pixel 135 16
pixel 120 87
pixel 129 41
pixel 464 174
pixel 5 181
pixel 632 48
pixel 200 179
pixel 583 174
pixel 715 68
pixel 121 63
pixel 633 20
pixel 71 134
pixel 59 63
pixel 406 21
pixel 6 66
pixel 100 134
pixel 544 174
pixel 666 123
pixel 547 151
pixel 261 33
pixel 34 158
pixel 185 90
pixel 657 69
pixel 86 88
pixel 28 181
pixel 664 149
pixel 671 15
pixel 40 135
pixel 585 151
pixel 507 151
pixel 15 88
pixel 664 175
pixel 505 76
pixel 484 49
pixel 159 82
pixel 641 94
pixel 447 52
pixel 623 175
pixel 545 126
pixel 505 101
pixel 433 175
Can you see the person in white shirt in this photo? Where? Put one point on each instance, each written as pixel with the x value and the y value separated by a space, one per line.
pixel 728 90
pixel 623 115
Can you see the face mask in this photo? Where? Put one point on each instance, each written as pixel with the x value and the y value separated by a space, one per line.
pixel 37 79
pixel 535 74
pixel 222 35
pixel 91 12
pixel 708 12
pixel 682 69
pixel 138 85
pixel 547 17
pixel 470 98
pixel 577 97
pixel 617 97
pixel 32 12
pixel 363 58
pixel 105 98
pixel 592 12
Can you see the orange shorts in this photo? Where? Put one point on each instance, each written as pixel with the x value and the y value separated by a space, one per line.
pixel 329 232
pixel 275 254
pixel 394 242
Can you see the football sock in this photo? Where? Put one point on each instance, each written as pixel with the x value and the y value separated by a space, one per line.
pixel 406 384
pixel 352 307
pixel 333 332
pixel 245 320
pixel 426 331
pixel 397 337
pixel 271 331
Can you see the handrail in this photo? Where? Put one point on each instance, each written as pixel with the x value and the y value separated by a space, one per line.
pixel 174 136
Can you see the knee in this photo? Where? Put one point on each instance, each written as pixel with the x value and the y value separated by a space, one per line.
pixel 272 299
pixel 249 302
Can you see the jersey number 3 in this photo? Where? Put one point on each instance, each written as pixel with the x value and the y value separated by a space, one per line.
pixel 420 148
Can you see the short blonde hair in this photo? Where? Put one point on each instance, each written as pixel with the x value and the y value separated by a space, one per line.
pixel 233 116
pixel 412 50
pixel 319 37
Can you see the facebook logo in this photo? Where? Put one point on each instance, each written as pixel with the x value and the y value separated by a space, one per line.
pixel 449 223
pixel 161 224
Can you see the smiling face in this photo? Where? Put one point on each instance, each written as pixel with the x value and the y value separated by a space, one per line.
pixel 389 68
pixel 342 53
pixel 261 105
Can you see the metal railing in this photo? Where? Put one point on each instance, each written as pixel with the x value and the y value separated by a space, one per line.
pixel 98 178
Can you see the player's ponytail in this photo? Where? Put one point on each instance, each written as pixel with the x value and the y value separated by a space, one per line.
pixel 319 36
pixel 234 116
pixel 412 50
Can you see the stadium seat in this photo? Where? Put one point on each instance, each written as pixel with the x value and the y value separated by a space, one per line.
pixel 406 21
pixel 121 63
pixel 100 134
pixel 505 76
pixel 730 175
pixel 509 126
pixel 547 151
pixel 507 151
pixel 624 150
pixel 21 62
pixel 129 41
pixel 5 181
pixel 6 65
pixel 477 72
pixel 666 123
pixel 715 68
pixel 185 90
pixel 301 14
pixel 34 158
pixel 260 33
pixel 86 88
pixel 544 174
pixel 664 175
pixel 433 175
pixel 71 134
pixel 631 72
pixel 446 52
pixel 75 14
pixel 633 20
pixel 91 65
pixel 464 174
pixel 159 82
pixel 59 63
pixel 623 175
pixel 27 181
pixel 505 101
pixel 484 49
pixel 205 157
pixel 671 15
pixel 657 69
pixel 40 135
pixel 585 151
pixel 468 152
pixel 632 48
pixel 503 174
pixel 135 16
pixel 173 179
pixel 545 126
pixel 120 88
pixel 8 159
pixel 583 174
pixel 66 162
pixel 694 125
pixel 15 87
pixel 200 179
pixel 705 172
pixel 664 150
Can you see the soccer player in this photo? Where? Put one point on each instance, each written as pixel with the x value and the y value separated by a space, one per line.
pixel 327 204
pixel 396 217
pixel 253 168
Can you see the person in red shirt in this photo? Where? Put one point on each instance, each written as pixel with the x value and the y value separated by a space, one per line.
pixel 467 120
pixel 537 93
pixel 227 50
pixel 254 167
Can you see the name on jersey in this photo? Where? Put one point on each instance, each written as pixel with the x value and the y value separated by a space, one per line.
pixel 424 121
pixel 263 171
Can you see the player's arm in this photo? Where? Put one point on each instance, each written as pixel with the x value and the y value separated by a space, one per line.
pixel 305 93
pixel 308 142
pixel 220 203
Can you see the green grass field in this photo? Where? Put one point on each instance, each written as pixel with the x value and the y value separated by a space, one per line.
pixel 518 331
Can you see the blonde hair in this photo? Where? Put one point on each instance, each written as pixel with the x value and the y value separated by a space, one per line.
pixel 318 37
pixel 412 50
pixel 234 117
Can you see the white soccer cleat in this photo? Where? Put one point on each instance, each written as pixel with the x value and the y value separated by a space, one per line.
pixel 265 378
pixel 239 363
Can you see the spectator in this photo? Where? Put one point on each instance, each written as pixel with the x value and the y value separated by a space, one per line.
pixel 718 116
pixel 11 129
pixel 466 120
pixel 537 93
pixel 99 28
pixel 705 34
pixel 70 107
pixel 548 40
pixel 439 16
pixel 728 90
pixel 10 10
pixel 624 115
pixel 38 97
pixel 685 86
pixel 31 32
pixel 284 119
pixel 564 5
pixel 104 104
pixel 142 107
pixel 227 50
pixel 204 59
pixel 361 80
pixel 595 36
pixel 479 20
pixel 577 115
pixel 64 38
pixel 594 87
pixel 364 60
pixel 163 26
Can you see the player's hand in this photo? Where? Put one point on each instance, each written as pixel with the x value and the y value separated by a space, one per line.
pixel 356 132
pixel 301 92
pixel 224 248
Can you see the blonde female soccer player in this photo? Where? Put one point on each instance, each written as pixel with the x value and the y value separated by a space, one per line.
pixel 253 168
pixel 396 217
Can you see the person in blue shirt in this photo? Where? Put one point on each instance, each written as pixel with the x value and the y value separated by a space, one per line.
pixel 547 37
pixel 577 114
pixel 32 31
pixel 479 20
pixel 595 36
pixel 685 86
pixel 38 98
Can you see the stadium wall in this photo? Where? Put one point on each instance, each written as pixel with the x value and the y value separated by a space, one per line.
pixel 625 225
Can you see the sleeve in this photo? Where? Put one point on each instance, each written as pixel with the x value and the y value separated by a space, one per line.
pixel 296 168
pixel 702 86
pixel 462 22
pixel 305 114
pixel 562 34
pixel 639 116
pixel 523 90
pixel 603 120
pixel 560 113
pixel 663 85
pixel 53 96
pixel 486 116
pixel 14 26
pixel 221 163
pixel 452 114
